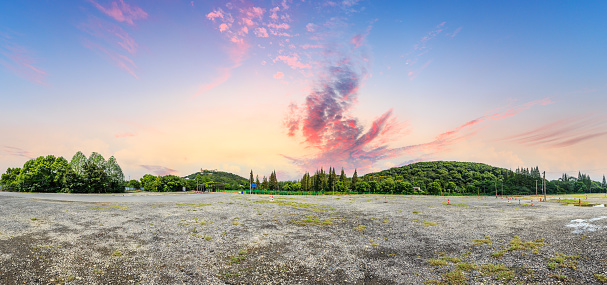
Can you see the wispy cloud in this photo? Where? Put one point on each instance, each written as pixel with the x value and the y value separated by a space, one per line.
pixel 15 151
pixel 292 61
pixel 121 11
pixel 110 39
pixel 422 48
pixel 19 60
pixel 279 75
pixel 122 61
pixel 124 135
pixel 564 133
pixel 159 170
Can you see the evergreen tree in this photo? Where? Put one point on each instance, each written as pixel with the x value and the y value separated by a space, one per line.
pixel 604 182
pixel 257 182
pixel 354 179
pixel 251 178
pixel 343 179
pixel 264 184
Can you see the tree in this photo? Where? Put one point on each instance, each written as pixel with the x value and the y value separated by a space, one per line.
pixel 355 178
pixel 264 184
pixel 343 179
pixel 257 182
pixel 604 182
pixel 434 188
pixel 251 179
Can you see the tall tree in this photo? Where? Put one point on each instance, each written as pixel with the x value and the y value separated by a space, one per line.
pixel 604 181
pixel 343 179
pixel 257 182
pixel 251 179
pixel 354 179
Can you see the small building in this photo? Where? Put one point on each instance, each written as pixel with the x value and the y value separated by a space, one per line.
pixel 213 186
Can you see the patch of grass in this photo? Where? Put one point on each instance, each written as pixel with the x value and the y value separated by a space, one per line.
pixel 193 230
pixel 455 277
pixel 117 253
pixel 415 212
pixel 437 262
pixel 108 207
pixel 499 271
pixel 208 237
pixel 373 243
pixel 235 223
pixel 372 218
pixel 560 277
pixel 242 256
pixel 34 219
pixel 517 244
pixel 429 224
pixel 193 205
pixel 499 254
pixel 601 278
pixel 361 228
pixel 314 221
pixel 201 222
pixel 466 266
pixel 457 205
pixel 561 260
pixel 97 271
pixel 289 204
pixel 485 241
pixel 452 259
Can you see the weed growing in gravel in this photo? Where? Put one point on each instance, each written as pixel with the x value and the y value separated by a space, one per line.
pixel 561 260
pixel 466 266
pixel 437 262
pixel 452 259
pixel 361 228
pixel 373 243
pixel 485 241
pixel 34 219
pixel 109 207
pixel 192 204
pixel 457 205
pixel 415 212
pixel 117 253
pixel 314 221
pixel 235 223
pixel 292 204
pixel 429 224
pixel 208 237
pixel 499 271
pixel 601 278
pixel 242 255
pixel 455 277
pixel 193 230
pixel 517 244
pixel 560 277
pixel 97 271
pixel 201 222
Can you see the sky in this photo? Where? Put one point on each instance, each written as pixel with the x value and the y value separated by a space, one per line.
pixel 172 87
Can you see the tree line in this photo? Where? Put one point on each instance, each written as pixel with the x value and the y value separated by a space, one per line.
pixel 55 174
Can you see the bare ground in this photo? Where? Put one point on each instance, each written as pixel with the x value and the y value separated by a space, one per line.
pixel 249 239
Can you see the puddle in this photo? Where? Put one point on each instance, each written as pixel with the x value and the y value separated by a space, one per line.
pixel 585 225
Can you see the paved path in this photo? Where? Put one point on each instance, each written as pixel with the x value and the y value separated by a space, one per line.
pixel 118 197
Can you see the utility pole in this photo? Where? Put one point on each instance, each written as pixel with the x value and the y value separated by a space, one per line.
pixel 544 182
pixel 536 187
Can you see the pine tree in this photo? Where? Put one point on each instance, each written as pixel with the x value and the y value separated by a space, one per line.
pixel 343 179
pixel 354 179
pixel 251 178
pixel 264 184
pixel 257 182
pixel 604 182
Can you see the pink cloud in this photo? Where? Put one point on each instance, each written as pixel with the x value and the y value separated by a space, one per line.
pixel 110 33
pixel 283 26
pixel 215 14
pixel 223 27
pixel 455 32
pixel 122 12
pixel 18 152
pixel 431 35
pixel 563 133
pixel 310 27
pixel 159 170
pixel 279 75
pixel 19 60
pixel 124 135
pixel 357 40
pixel 292 61
pixel 261 32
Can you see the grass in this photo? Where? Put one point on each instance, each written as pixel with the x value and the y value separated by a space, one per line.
pixel 361 228
pixel 518 244
pixel 560 277
pixel 455 277
pixel 561 260
pixel 117 253
pixel 34 219
pixel 485 241
pixel 208 237
pixel 108 207
pixel 242 256
pixel 601 278
pixel 290 204
pixel 466 266
pixel 429 224
pixel 235 223
pixel 373 243
pixel 499 271
pixel 97 271
pixel 457 205
pixel 192 204
pixel 437 262
pixel 201 222
pixel 415 212
pixel 314 221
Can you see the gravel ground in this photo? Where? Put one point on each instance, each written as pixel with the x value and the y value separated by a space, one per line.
pixel 250 239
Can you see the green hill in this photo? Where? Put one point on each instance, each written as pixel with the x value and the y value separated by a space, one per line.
pixel 231 180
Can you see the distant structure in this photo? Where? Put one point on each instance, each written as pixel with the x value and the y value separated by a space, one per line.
pixel 417 189
pixel 213 186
